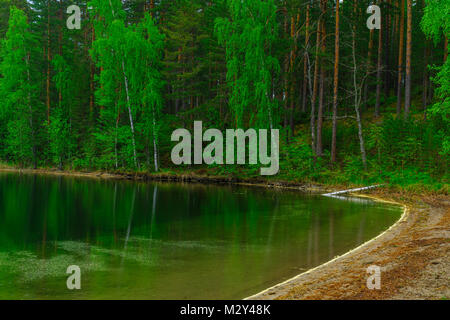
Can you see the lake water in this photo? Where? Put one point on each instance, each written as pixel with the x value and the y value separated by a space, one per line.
pixel 168 241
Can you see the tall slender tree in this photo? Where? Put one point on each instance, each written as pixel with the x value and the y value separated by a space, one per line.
pixel 306 79
pixel 400 58
pixel 379 69
pixel 335 86
pixel 408 59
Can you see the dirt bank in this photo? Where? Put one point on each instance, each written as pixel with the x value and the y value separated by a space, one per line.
pixel 414 256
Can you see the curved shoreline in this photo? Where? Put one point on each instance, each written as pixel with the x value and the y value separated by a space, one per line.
pixel 414 252
pixel 413 256
pixel 282 285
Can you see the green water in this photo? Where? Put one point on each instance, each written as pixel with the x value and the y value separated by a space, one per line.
pixel 168 241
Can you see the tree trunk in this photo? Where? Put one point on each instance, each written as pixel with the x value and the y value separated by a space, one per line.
pixel 155 143
pixel 357 95
pixel 408 59
pixel 315 86
pixel 321 91
pixel 400 58
pixel 91 82
pixel 387 50
pixel 425 77
pixel 136 162
pixel 358 115
pixel 445 49
pixel 293 57
pixel 305 62
pixel 335 85
pixel 47 100
pixel 379 69
pixel 30 109
pixel 60 39
pixel 369 68
pixel 285 85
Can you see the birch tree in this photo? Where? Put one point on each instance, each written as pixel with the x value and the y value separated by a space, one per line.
pixel 19 89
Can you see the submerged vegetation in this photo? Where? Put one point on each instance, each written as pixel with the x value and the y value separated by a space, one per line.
pixel 353 105
pixel 132 240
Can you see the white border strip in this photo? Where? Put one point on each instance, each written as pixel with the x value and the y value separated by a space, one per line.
pixel 402 218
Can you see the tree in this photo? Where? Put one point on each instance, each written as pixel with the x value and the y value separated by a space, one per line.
pixel 379 69
pixel 357 94
pixel 335 86
pixel 306 66
pixel 400 58
pixel 369 68
pixel 320 111
pixel 5 6
pixel 130 58
pixel 248 37
pixel 184 60
pixel 19 89
pixel 59 124
pixel 408 58
pixel 316 79
pixel 436 25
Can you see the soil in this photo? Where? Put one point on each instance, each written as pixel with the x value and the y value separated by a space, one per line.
pixel 414 257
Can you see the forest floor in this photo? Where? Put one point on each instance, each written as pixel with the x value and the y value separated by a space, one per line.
pixel 414 254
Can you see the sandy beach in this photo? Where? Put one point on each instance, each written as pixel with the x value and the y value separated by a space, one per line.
pixel 414 257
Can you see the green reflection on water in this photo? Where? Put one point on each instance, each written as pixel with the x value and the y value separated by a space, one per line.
pixel 168 241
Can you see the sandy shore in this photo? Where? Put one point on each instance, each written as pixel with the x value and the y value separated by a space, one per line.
pixel 414 256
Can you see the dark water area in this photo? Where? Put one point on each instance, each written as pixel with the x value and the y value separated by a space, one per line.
pixel 136 240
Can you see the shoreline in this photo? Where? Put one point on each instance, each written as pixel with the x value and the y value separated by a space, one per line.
pixel 326 281
pixel 282 286
pixel 174 177
pixel 413 254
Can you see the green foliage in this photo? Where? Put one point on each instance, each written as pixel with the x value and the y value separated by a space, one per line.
pixel 435 23
pixel 248 37
pixel 61 143
pixel 298 158
pixel 109 96
pixel 130 85
pixel 18 89
pixel 435 20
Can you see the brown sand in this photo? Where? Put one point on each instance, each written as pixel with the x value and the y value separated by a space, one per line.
pixel 414 256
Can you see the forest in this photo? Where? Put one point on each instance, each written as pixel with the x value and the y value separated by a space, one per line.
pixel 354 105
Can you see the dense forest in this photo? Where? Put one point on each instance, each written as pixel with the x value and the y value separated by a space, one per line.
pixel 353 104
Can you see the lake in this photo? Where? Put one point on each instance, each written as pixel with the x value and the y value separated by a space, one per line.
pixel 136 240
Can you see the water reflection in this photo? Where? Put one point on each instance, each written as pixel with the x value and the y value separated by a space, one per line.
pixel 161 241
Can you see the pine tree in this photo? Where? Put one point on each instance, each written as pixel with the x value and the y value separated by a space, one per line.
pixel 184 60
pixel 408 58
pixel 335 85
